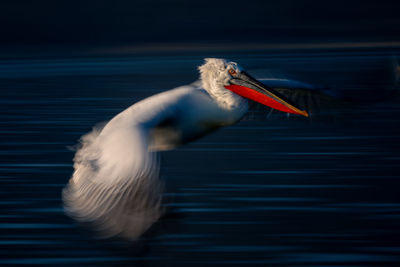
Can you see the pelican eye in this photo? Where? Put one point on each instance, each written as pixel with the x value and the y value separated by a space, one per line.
pixel 232 72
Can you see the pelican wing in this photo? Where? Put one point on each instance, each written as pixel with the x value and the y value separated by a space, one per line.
pixel 377 83
pixel 319 103
pixel 115 185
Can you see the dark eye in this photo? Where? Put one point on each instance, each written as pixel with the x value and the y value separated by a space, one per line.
pixel 232 72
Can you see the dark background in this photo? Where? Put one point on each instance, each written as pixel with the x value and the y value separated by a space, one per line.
pixel 102 22
pixel 274 192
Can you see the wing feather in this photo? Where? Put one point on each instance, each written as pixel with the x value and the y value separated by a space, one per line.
pixel 319 104
pixel 115 185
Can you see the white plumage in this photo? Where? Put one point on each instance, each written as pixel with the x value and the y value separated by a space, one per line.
pixel 115 185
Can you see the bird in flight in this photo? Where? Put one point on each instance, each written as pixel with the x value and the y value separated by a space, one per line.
pixel 116 186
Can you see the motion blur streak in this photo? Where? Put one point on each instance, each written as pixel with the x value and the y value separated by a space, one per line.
pixel 115 183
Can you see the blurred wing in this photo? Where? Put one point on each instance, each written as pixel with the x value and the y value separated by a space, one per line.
pixel 319 103
pixel 115 185
pixel 369 86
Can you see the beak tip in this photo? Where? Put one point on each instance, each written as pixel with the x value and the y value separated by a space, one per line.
pixel 304 113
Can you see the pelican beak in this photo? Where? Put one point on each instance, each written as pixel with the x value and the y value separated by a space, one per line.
pixel 246 86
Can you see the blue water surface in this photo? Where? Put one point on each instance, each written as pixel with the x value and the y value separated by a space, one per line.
pixel 270 193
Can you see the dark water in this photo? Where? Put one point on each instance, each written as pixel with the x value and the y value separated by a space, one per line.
pixel 271 193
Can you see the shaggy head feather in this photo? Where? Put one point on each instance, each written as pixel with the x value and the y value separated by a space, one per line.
pixel 214 74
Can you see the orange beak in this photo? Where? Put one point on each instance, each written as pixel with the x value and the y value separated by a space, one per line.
pixel 248 87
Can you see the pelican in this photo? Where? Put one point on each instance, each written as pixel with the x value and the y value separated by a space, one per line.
pixel 115 185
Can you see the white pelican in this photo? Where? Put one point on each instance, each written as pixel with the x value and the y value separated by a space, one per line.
pixel 116 186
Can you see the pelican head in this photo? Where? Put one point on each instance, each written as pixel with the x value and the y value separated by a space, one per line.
pixel 228 84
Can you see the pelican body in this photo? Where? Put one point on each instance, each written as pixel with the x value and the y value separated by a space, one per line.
pixel 115 185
